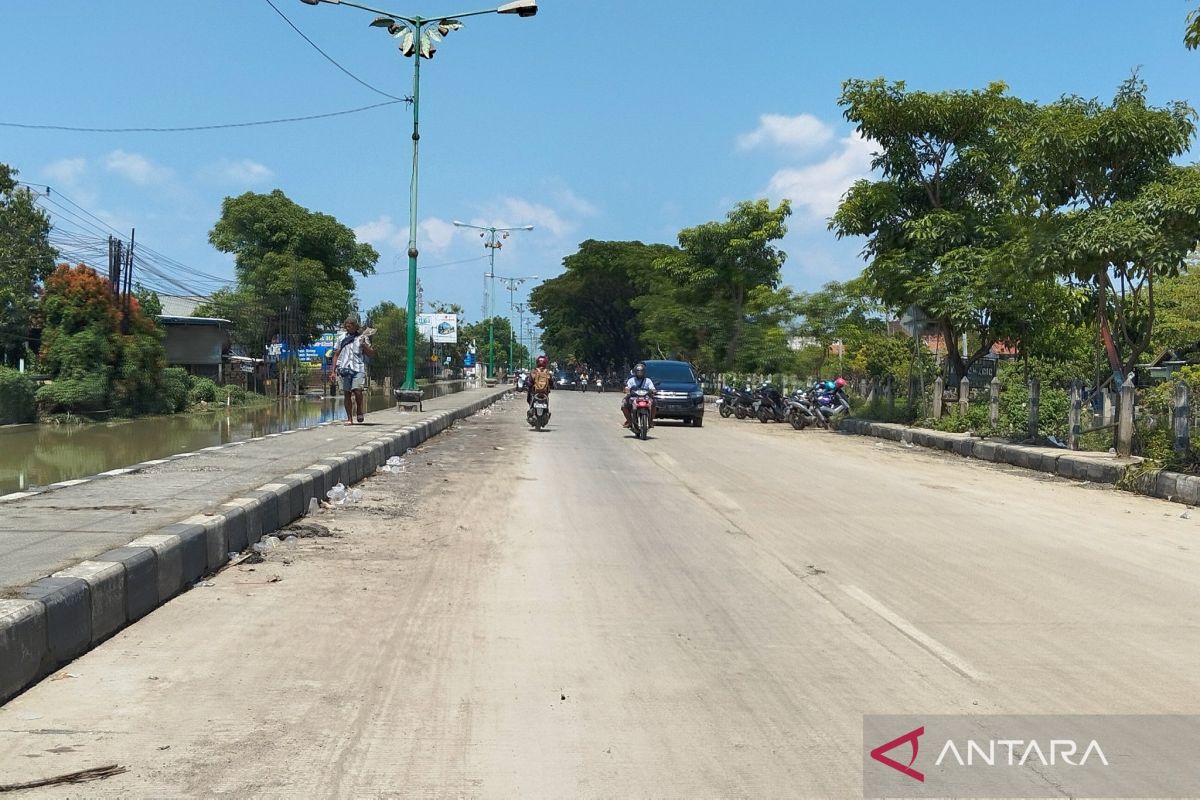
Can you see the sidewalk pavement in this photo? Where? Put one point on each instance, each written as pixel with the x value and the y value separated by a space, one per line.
pixel 117 545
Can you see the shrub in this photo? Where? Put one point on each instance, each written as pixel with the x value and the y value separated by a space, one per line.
pixel 237 395
pixel 75 395
pixel 204 390
pixel 175 382
pixel 17 401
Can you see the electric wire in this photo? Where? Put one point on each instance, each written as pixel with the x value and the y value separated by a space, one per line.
pixel 330 58
pixel 187 128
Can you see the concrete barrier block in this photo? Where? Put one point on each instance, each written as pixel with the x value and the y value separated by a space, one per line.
pixel 168 551
pixel 106 587
pixel 319 475
pixel 1189 489
pixel 299 489
pixel 1165 485
pixel 964 447
pixel 141 578
pixel 193 550
pixel 216 544
pixel 68 605
pixel 268 508
pixel 984 451
pixel 24 644
pixel 237 520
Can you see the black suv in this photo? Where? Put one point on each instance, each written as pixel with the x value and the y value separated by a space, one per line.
pixel 679 394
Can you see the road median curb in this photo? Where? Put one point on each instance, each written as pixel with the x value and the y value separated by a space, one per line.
pixel 55 619
pixel 1074 464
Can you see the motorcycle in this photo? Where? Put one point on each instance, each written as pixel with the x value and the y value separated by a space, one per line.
pixel 539 411
pixel 741 402
pixel 772 406
pixel 726 402
pixel 800 410
pixel 830 406
pixel 639 417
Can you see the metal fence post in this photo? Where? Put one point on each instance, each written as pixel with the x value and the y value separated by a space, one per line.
pixel 994 406
pixel 1035 402
pixel 964 396
pixel 1183 437
pixel 939 386
pixel 1074 430
pixel 1125 419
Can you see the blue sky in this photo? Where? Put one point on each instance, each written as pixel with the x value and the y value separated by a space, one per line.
pixel 592 120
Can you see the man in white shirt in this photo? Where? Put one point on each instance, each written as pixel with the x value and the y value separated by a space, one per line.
pixel 350 367
pixel 639 380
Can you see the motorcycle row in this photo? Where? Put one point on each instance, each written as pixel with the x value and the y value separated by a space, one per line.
pixel 821 404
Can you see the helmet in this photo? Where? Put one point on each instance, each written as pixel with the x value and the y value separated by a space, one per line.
pixel 639 370
pixel 830 385
pixel 840 382
pixel 542 361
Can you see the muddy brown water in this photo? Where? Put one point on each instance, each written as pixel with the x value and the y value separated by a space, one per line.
pixel 38 455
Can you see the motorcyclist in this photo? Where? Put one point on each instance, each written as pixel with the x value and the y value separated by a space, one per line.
pixel 637 381
pixel 541 380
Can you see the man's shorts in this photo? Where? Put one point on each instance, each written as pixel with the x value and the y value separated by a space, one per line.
pixel 353 382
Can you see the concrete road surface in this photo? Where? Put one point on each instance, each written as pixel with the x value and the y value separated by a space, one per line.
pixel 579 614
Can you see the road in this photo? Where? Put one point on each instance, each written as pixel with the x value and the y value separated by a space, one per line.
pixel 576 613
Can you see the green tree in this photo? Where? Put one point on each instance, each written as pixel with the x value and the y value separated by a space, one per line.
pixel 1117 215
pixel 26 259
pixel 1177 310
pixel 295 268
pixel 945 230
pixel 390 341
pixel 699 292
pixel 1191 35
pixel 587 312
pixel 839 312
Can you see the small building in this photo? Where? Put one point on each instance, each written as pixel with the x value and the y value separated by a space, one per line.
pixel 197 344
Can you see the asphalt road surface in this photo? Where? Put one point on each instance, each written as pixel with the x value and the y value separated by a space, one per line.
pixel 575 613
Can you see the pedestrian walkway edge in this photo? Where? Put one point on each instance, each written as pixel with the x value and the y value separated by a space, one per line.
pixel 52 621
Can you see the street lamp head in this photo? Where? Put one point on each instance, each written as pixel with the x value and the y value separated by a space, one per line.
pixel 526 227
pixel 522 8
pixel 311 2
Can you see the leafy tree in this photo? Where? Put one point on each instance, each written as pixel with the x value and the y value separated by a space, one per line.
pixel 770 321
pixel 26 259
pixel 699 293
pixel 1191 36
pixel 945 231
pixel 390 340
pixel 1177 310
pixel 149 301
pixel 1117 214
pixel 295 268
pixel 839 312
pixel 587 312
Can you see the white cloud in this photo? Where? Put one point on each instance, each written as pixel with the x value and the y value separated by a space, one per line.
pixel 816 189
pixel 802 132
pixel 136 168
pixel 65 170
pixel 433 235
pixel 511 212
pixel 243 171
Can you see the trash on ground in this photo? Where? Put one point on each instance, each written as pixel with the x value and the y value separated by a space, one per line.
pixel 337 494
pixel 314 505
pixel 203 584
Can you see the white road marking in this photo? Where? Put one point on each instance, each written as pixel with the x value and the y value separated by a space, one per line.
pixel 63 484
pixel 911 631
pixel 114 472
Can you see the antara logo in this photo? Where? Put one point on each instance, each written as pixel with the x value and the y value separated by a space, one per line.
pixel 911 738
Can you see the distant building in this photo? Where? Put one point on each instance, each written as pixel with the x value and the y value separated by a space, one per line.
pixel 180 305
pixel 197 344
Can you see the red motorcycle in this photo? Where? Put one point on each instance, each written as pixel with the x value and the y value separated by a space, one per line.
pixel 641 413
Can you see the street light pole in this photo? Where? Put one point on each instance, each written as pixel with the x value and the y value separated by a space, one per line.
pixel 417 42
pixel 512 284
pixel 489 232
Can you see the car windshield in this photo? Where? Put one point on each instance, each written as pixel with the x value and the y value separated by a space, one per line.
pixel 675 371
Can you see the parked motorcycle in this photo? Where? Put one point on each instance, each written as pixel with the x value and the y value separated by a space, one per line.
pixel 726 402
pixel 802 411
pixel 539 411
pixel 772 407
pixel 639 418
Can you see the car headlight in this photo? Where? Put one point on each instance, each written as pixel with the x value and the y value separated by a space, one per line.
pixel 696 395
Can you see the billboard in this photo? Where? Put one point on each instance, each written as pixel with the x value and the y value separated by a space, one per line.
pixel 441 328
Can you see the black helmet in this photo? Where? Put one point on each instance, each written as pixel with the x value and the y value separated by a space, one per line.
pixel 639 370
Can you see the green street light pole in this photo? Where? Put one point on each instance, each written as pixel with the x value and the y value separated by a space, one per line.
pixel 416 40
pixel 489 233
pixel 512 284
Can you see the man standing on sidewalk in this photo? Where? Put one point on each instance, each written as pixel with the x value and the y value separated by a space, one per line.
pixel 350 367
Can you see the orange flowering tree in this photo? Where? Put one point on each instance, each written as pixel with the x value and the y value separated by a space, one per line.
pixel 94 364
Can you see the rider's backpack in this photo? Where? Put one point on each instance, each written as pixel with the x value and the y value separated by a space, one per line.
pixel 541 381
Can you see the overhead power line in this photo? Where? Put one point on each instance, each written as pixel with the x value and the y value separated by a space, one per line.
pixel 185 128
pixel 330 58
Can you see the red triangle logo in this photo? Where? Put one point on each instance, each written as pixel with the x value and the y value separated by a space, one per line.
pixel 910 738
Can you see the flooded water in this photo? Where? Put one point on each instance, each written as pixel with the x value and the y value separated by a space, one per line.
pixel 37 455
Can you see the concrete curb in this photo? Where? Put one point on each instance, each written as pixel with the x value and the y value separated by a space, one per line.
pixel 58 618
pixel 1173 486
